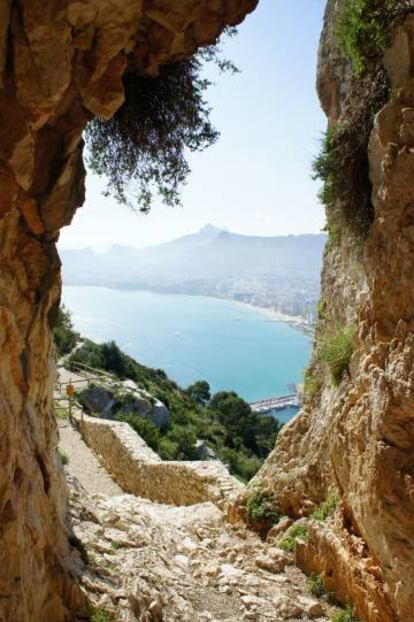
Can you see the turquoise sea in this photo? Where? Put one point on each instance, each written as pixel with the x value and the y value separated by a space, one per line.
pixel 231 346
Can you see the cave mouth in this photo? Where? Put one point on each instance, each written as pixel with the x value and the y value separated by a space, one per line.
pixel 59 68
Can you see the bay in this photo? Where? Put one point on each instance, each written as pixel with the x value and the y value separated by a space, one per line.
pixel 233 347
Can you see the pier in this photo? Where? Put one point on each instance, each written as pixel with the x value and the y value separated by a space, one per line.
pixel 275 403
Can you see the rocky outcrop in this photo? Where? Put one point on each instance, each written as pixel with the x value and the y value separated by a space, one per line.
pixel 147 561
pixel 359 437
pixel 110 398
pixel 61 62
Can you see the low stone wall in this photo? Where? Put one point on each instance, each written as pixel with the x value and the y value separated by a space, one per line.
pixel 140 471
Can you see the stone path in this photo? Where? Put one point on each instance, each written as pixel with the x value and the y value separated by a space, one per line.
pixel 141 561
pixel 83 464
pixel 151 562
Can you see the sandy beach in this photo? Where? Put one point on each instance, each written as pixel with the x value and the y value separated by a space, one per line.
pixel 275 316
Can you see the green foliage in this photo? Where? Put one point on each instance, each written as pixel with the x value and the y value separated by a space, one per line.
pixel 147 140
pixel 325 167
pixel 322 309
pixel 242 466
pixel 100 616
pixel 63 332
pixel 241 438
pixel 64 458
pixel 61 412
pixel 199 392
pixel 345 615
pixel 261 506
pixel 296 531
pixel 364 31
pixel 242 425
pixel 326 508
pixel 336 352
pixel 144 427
pixel 312 383
pixel 315 583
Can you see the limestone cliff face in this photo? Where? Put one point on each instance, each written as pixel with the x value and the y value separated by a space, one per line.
pixel 61 62
pixel 358 438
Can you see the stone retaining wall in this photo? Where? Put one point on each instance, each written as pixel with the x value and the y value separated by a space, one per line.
pixel 139 470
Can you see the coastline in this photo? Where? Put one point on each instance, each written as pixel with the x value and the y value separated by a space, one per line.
pixel 296 321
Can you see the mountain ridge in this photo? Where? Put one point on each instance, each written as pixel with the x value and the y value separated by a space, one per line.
pixel 281 272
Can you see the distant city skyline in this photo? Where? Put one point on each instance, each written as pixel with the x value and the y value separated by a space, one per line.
pixel 257 179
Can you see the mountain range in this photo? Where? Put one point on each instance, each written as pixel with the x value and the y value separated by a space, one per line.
pixel 210 255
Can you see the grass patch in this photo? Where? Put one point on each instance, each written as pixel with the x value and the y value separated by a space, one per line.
pixel 261 506
pixel 364 29
pixel 296 532
pixel 100 616
pixel 345 615
pixel 315 583
pixel 326 508
pixel 61 412
pixel 336 352
pixel 312 384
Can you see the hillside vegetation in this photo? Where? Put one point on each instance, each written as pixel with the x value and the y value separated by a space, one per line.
pixel 240 437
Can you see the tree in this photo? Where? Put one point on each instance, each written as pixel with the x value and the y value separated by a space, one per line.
pixel 148 138
pixel 64 333
pixel 199 392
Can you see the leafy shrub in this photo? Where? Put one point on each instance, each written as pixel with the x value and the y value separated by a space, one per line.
pixel 238 463
pixel 336 353
pixel 199 391
pixel 64 334
pixel 325 167
pixel 326 508
pixel 345 615
pixel 364 31
pixel 261 506
pixel 296 531
pixel 144 427
pixel 342 164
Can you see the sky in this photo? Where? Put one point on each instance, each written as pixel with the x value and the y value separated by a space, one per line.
pixel 256 180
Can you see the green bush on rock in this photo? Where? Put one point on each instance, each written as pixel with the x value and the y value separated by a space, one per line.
pixel 336 352
pixel 326 508
pixel 364 31
pixel 64 334
pixel 345 615
pixel 261 506
pixel 295 532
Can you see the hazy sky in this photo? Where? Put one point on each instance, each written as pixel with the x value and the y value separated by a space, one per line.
pixel 256 179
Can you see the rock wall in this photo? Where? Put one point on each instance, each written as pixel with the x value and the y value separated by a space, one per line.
pixel 139 470
pixel 358 438
pixel 61 62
